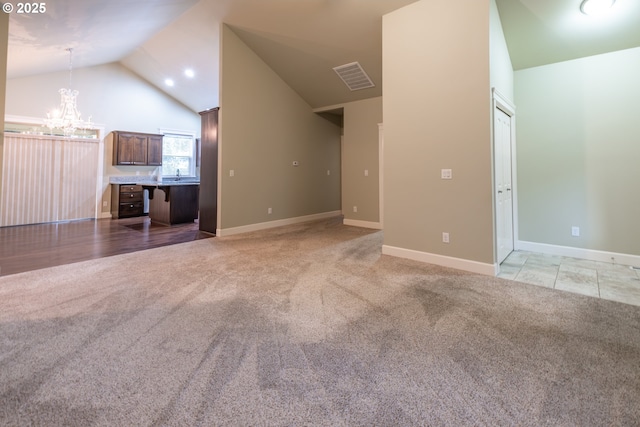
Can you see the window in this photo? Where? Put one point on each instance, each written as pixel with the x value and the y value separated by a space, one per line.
pixel 39 129
pixel 178 154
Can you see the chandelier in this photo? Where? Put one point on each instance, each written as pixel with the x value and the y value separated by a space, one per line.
pixel 67 117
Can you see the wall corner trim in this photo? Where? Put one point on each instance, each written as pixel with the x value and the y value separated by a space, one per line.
pixel 442 260
pixel 222 232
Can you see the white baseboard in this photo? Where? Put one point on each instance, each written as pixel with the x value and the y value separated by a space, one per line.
pixel 588 254
pixel 363 224
pixel 442 260
pixel 221 232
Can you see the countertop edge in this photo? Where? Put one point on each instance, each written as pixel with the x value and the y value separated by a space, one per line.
pixel 127 180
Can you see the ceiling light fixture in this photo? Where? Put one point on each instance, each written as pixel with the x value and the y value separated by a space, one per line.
pixel 189 73
pixel 169 82
pixel 67 117
pixel 596 7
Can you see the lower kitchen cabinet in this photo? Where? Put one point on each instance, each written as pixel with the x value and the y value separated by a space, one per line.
pixel 127 200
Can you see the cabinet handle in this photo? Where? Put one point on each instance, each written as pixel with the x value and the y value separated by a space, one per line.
pixel 131 195
pixel 131 205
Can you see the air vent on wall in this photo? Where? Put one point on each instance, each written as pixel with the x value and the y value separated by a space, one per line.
pixel 354 76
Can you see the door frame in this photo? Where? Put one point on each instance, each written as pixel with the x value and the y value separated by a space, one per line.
pixel 502 103
pixel 381 175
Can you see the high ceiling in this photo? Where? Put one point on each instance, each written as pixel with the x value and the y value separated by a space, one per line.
pixel 541 32
pixel 302 40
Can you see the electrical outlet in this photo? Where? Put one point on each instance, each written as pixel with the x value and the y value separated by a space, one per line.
pixel 355 209
pixel 575 231
pixel 366 172
pixel 445 237
pixel 232 172
pixel 104 204
pixel 446 174
pixel 269 211
pixel 328 172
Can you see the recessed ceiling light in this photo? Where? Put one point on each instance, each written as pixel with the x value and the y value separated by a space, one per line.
pixel 189 73
pixel 169 82
pixel 596 7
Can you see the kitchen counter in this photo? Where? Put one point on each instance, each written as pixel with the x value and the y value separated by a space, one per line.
pixel 140 180
pixel 171 201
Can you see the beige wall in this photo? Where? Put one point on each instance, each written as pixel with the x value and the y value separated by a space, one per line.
pixel 579 152
pixel 4 43
pixel 360 153
pixel 436 107
pixel 264 127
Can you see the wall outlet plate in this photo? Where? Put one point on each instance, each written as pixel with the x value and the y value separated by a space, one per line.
pixel 575 231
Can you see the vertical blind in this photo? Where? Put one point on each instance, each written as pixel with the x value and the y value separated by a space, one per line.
pixel 48 179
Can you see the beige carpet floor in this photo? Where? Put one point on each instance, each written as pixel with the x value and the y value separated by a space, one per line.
pixel 306 325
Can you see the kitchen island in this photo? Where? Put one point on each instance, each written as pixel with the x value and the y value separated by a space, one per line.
pixel 172 202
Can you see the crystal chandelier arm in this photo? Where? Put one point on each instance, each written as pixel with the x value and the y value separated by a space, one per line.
pixel 67 118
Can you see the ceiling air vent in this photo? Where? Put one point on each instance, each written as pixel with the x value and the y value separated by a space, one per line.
pixel 354 76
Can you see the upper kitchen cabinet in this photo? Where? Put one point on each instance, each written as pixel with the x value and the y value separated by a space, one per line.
pixel 133 148
pixel 154 151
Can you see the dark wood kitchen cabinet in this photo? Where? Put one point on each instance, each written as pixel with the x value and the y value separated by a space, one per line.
pixel 154 150
pixel 134 148
pixel 208 219
pixel 127 200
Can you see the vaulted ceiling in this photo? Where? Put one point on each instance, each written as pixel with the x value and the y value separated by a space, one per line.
pixel 302 40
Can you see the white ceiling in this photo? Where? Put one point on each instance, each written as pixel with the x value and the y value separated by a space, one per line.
pixel 302 40
pixel 540 32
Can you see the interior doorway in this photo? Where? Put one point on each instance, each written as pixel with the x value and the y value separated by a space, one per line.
pixel 503 151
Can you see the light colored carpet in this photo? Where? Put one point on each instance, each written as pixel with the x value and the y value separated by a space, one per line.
pixel 306 325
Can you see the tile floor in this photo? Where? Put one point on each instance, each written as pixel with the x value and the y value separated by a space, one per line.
pixel 609 281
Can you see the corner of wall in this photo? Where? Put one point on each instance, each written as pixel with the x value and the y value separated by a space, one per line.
pixel 437 115
pixel 275 151
pixel 4 47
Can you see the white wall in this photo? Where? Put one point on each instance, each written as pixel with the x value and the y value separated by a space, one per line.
pixel 111 94
pixel 579 151
pixel 501 68
pixel 437 115
pixel 115 98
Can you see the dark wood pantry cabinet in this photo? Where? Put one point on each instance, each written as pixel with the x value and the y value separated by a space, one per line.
pixel 209 171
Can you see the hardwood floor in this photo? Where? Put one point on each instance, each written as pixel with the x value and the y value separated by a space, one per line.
pixel 31 247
